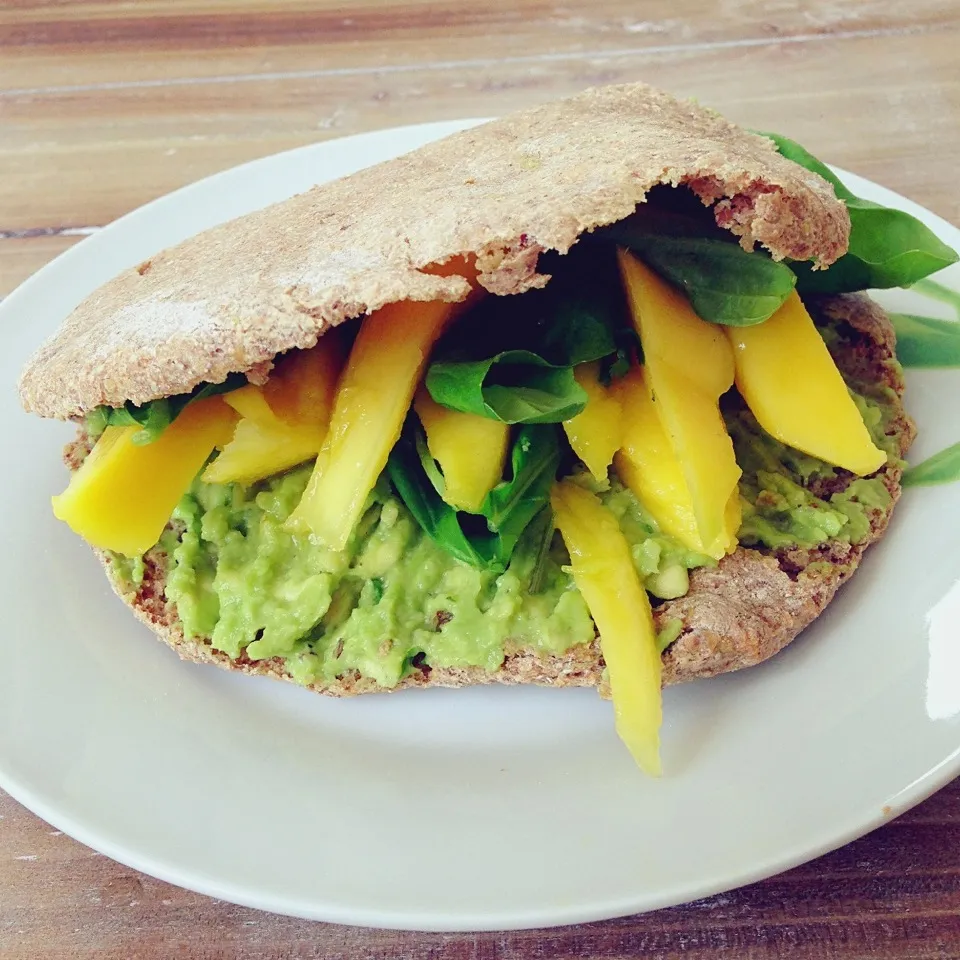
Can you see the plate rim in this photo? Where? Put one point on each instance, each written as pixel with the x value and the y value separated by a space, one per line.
pixel 62 819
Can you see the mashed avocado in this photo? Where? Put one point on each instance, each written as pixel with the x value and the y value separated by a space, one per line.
pixel 393 598
pixel 779 508
pixel 237 576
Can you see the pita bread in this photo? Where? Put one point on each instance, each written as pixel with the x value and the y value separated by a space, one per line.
pixel 735 615
pixel 232 298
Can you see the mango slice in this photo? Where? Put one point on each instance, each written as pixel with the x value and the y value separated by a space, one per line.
pixel 790 382
pixel 123 495
pixel 688 365
pixel 471 451
pixel 374 394
pixel 256 452
pixel 647 464
pixel 303 385
pixel 671 333
pixel 604 574
pixel 285 421
pixel 251 404
pixel 595 433
pixel 700 441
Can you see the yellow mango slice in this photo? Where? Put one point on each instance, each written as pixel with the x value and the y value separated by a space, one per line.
pixel 604 574
pixel 670 332
pixel 595 433
pixel 251 404
pixel 374 394
pixel 647 464
pixel 256 451
pixel 470 449
pixel 688 365
pixel 285 421
pixel 790 382
pixel 700 441
pixel 303 385
pixel 733 517
pixel 123 494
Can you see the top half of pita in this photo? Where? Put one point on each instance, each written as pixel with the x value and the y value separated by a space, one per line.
pixel 233 297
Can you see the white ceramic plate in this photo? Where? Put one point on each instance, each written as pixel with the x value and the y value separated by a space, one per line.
pixel 482 808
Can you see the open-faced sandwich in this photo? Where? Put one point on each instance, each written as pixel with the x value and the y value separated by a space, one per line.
pixel 584 396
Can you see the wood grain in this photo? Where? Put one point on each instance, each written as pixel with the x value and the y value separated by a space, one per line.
pixel 82 43
pixel 22 256
pixel 889 896
pixel 83 157
pixel 105 105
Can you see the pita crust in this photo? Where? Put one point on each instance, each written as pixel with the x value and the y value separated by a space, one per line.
pixel 735 615
pixel 233 297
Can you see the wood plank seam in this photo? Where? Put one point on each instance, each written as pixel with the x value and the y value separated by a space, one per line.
pixel 31 232
pixel 479 63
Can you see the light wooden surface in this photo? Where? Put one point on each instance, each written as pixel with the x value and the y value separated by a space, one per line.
pixel 105 105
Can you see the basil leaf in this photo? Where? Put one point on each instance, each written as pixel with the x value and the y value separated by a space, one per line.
pixel 939 292
pixel 516 386
pixel 942 467
pixel 724 283
pixel 617 365
pixel 508 508
pixel 152 418
pixel 233 382
pixel 513 503
pixel 577 329
pixel 540 531
pixel 926 342
pixel 629 350
pixel 155 416
pixel 511 358
pixel 125 416
pixel 430 467
pixel 97 420
pixel 888 248
pixel 437 519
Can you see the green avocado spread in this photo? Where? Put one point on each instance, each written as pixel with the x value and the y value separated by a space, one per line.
pixel 780 510
pixel 238 577
pixel 394 600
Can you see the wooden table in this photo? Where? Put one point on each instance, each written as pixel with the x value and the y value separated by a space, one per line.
pixel 105 105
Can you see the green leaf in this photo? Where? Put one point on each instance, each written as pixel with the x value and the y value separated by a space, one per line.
pixel 508 508
pixel 939 292
pixel 97 420
pixel 942 467
pixel 513 503
pixel 152 418
pixel 511 358
pixel 233 382
pixel 581 325
pixel 515 386
pixel 540 531
pixel 437 519
pixel 155 416
pixel 888 248
pixel 926 342
pixel 618 364
pixel 430 467
pixel 724 283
